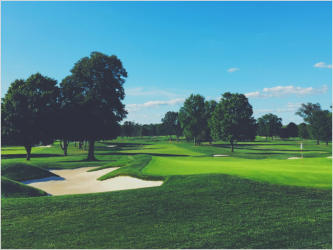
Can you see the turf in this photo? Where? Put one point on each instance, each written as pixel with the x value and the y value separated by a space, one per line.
pixel 14 189
pixel 207 211
pixel 255 198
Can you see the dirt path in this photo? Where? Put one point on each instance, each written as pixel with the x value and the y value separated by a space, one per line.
pixel 79 181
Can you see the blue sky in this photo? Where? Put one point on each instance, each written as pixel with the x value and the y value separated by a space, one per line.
pixel 277 53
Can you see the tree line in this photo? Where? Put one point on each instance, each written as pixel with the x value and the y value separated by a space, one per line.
pixel 87 106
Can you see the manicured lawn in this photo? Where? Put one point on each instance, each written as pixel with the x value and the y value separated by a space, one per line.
pixel 254 198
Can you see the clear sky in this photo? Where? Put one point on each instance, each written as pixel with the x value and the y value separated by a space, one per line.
pixel 277 53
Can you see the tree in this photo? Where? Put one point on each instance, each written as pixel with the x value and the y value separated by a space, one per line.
pixel 95 92
pixel 128 128
pixel 28 111
pixel 284 133
pixel 303 131
pixel 232 119
pixel 322 125
pixel 306 111
pixel 210 107
pixel 269 125
pixel 192 118
pixel 292 130
pixel 171 124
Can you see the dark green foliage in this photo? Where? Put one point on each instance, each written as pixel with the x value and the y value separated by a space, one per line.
pixel 303 131
pixel 292 129
pixel 321 126
pixel 171 124
pixel 269 125
pixel 202 211
pixel 306 111
pixel 284 133
pixel 93 95
pixel 232 119
pixel 193 120
pixel 14 189
pixel 28 112
pixel 22 171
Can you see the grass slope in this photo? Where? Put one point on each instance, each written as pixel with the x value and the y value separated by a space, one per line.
pixel 200 211
pixel 312 172
pixel 14 189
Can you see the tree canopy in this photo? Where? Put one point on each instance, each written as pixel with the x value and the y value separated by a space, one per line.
pixel 269 125
pixel 93 94
pixel 232 119
pixel 28 112
pixel 171 124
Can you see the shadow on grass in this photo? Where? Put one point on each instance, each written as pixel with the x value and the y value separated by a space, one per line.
pixel 11 156
pixel 152 154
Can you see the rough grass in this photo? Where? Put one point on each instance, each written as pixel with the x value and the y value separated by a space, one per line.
pixel 201 211
pixel 14 189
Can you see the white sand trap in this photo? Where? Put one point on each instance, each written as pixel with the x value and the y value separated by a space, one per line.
pixel 47 146
pixel 79 181
pixel 329 156
pixel 112 146
pixel 294 158
pixel 220 155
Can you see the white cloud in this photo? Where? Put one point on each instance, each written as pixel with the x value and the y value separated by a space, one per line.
pixel 322 65
pixel 151 104
pixel 231 70
pixel 139 91
pixel 290 107
pixel 279 91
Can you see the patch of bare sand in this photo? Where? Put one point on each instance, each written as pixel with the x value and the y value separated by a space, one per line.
pixel 294 158
pixel 79 181
pixel 220 155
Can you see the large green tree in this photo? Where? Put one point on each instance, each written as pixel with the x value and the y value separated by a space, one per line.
pixel 192 117
pixel 232 119
pixel 292 130
pixel 269 125
pixel 28 112
pixel 303 131
pixel 94 92
pixel 321 126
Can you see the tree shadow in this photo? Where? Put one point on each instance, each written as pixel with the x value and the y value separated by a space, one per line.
pixel 11 156
pixel 152 154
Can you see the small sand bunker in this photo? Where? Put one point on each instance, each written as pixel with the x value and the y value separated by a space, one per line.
pixel 46 146
pixel 294 158
pixel 329 157
pixel 79 181
pixel 220 155
pixel 112 146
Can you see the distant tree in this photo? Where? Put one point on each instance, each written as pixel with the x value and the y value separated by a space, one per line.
pixel 322 126
pixel 210 107
pixel 303 131
pixel 232 119
pixel 192 117
pixel 292 129
pixel 284 133
pixel 269 125
pixel 128 128
pixel 171 124
pixel 28 112
pixel 97 85
pixel 306 111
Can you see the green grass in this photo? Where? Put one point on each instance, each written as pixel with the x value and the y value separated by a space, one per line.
pixel 14 189
pixel 255 198
pixel 311 172
pixel 207 211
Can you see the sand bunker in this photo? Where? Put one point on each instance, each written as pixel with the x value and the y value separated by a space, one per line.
pixel 220 155
pixel 79 181
pixel 112 146
pixel 46 146
pixel 329 156
pixel 294 158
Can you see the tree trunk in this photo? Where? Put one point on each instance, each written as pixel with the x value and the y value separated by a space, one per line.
pixel 28 149
pixel 64 146
pixel 326 143
pixel 74 143
pixel 91 156
pixel 194 141
pixel 317 142
pixel 232 146
pixel 80 144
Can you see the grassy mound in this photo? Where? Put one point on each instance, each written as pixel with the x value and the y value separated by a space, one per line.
pixel 20 171
pixel 197 211
pixel 14 189
pixel 134 169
